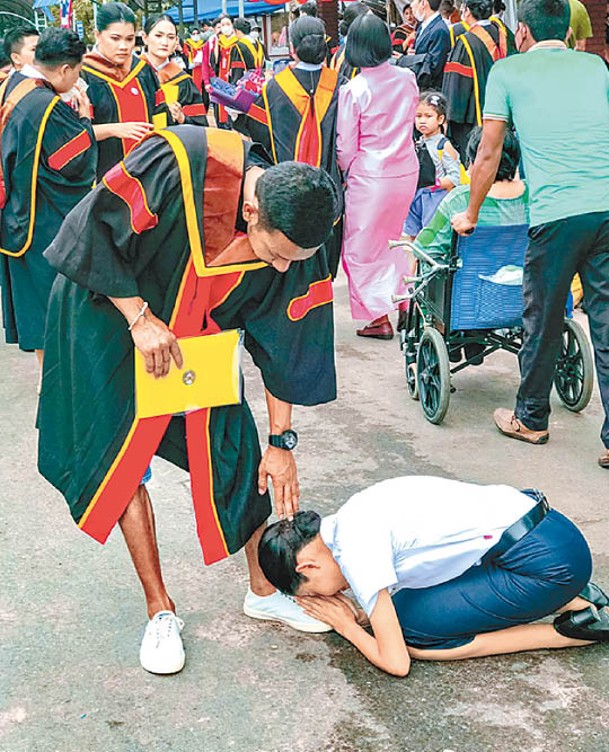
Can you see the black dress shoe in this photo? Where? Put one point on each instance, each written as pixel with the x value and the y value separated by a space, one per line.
pixel 593 594
pixel 590 624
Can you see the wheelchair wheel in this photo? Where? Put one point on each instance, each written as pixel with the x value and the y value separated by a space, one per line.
pixel 433 375
pixel 574 376
pixel 413 338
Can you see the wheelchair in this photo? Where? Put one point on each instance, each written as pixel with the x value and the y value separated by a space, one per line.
pixel 462 305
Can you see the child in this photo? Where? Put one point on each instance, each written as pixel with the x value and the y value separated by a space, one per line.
pixel 444 570
pixel 440 166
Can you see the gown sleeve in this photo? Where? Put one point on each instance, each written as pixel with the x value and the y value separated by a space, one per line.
pixel 192 103
pixel 290 332
pixel 68 146
pixel 458 86
pixel 98 246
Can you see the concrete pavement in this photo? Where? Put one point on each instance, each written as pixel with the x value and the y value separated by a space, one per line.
pixel 71 613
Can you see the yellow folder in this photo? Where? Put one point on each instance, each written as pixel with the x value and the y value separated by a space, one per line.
pixel 210 377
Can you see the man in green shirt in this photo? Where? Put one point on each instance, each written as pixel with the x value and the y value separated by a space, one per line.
pixel 558 102
pixel 581 27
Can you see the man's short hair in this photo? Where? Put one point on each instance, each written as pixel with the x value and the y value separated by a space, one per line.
pixel 14 39
pixel 546 19
pixel 298 200
pixel 480 9
pixel 368 42
pixel 59 47
pixel 279 547
pixel 434 4
pixel 242 25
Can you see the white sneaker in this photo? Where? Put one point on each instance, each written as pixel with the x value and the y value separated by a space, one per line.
pixel 283 608
pixel 162 651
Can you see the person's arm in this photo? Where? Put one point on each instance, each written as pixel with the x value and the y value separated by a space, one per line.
pixel 278 463
pixel 452 166
pixel 385 648
pixel 483 174
pixel 131 131
pixel 347 128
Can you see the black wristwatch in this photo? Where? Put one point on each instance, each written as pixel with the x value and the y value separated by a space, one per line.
pixel 286 440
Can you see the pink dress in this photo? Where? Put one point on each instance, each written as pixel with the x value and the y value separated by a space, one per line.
pixel 375 121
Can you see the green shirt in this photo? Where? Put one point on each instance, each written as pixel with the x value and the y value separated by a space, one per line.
pixel 580 23
pixel 436 238
pixel 558 102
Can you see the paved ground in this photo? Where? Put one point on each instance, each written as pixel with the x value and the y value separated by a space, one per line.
pixel 71 614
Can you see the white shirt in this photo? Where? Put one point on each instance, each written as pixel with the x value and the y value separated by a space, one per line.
pixel 417 531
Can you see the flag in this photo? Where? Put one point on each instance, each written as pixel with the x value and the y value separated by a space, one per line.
pixel 65 12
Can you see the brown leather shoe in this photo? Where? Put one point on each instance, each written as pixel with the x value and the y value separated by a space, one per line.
pixel 509 425
pixel 603 460
pixel 378 329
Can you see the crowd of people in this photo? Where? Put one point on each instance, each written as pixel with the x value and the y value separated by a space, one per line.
pixel 141 213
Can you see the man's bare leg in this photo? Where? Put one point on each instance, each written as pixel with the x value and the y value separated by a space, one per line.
pixel 138 526
pixel 258 582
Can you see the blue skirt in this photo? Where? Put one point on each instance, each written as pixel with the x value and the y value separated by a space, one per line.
pixel 542 572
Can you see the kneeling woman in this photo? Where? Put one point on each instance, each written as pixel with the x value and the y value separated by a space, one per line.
pixel 443 570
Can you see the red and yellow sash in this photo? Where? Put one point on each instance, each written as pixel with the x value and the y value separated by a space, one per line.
pixel 312 110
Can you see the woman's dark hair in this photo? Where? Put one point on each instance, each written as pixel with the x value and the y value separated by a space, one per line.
pixel 242 25
pixel 510 153
pixel 154 20
pixel 279 547
pixel 110 13
pixel 368 42
pixel 309 9
pixel 436 101
pixel 480 9
pixel 308 37
pixel 59 47
pixel 299 201
pixel 546 19
pixel 352 11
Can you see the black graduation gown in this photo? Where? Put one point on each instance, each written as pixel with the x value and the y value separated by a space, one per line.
pixel 465 76
pixel 276 121
pixel 188 95
pixel 158 242
pixel 136 98
pixel 41 187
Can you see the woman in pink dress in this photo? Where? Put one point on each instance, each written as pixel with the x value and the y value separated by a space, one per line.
pixel 375 148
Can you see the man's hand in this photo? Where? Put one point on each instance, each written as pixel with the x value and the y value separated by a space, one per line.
pixel 81 103
pixel 157 343
pixel 281 466
pixel 463 224
pixel 330 609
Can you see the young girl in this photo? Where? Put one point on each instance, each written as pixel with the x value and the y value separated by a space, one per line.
pixel 440 166
pixel 443 570
pixel 181 95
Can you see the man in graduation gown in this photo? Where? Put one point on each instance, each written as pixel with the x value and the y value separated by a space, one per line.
pixel 47 165
pixel 247 54
pixel 295 117
pixel 468 67
pixel 179 240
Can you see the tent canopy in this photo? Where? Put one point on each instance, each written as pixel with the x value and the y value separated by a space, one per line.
pixel 209 9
